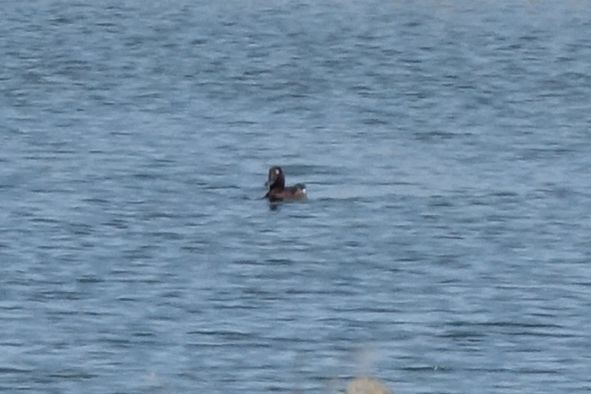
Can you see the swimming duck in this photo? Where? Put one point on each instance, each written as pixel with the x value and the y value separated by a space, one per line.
pixel 277 191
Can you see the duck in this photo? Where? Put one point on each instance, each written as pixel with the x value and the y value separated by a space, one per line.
pixel 277 191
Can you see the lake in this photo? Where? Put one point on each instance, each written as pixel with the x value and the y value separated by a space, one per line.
pixel 444 247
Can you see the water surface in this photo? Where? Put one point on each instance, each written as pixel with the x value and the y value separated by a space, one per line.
pixel 444 247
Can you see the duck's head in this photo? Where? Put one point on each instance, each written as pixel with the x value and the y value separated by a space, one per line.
pixel 275 179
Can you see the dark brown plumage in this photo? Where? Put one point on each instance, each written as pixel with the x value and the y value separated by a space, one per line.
pixel 277 191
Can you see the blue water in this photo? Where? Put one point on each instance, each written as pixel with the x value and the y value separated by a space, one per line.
pixel 445 246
